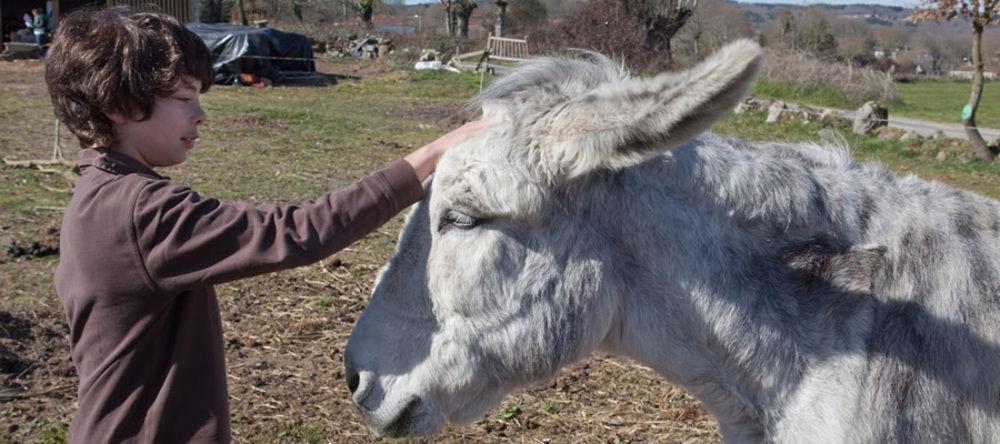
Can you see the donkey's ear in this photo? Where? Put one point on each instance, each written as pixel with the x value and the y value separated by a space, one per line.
pixel 622 123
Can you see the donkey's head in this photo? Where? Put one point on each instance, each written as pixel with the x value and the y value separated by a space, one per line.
pixel 500 278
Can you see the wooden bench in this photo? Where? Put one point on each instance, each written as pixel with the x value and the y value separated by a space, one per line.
pixel 497 48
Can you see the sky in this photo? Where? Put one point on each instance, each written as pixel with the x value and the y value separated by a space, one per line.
pixel 904 3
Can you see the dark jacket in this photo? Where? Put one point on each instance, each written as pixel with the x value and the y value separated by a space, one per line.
pixel 139 256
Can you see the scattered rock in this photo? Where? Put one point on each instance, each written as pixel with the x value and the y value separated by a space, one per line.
pixel 965 157
pixel 942 156
pixel 889 133
pixel 869 117
pixel 749 104
pixel 775 111
pixel 830 117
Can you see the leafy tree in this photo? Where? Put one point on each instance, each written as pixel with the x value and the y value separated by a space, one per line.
pixel 981 13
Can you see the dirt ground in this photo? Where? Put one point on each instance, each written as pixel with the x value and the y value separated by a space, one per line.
pixel 284 335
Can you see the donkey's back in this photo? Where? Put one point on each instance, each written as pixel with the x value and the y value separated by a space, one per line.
pixel 926 362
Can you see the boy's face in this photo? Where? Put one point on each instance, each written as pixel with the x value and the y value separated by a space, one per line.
pixel 165 138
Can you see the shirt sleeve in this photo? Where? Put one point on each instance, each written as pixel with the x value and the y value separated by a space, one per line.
pixel 185 240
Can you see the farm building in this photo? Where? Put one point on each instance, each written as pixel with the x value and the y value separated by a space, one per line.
pixel 11 11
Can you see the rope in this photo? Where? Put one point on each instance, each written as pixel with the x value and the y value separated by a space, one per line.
pixel 278 58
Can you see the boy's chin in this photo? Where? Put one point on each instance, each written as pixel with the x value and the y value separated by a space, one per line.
pixel 170 161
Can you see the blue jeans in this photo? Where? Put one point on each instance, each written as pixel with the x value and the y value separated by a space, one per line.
pixel 40 40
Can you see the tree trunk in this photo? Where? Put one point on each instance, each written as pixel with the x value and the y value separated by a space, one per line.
pixel 463 11
pixel 214 11
pixel 243 14
pixel 463 25
pixel 660 27
pixel 366 16
pixel 501 16
pixel 449 22
pixel 982 150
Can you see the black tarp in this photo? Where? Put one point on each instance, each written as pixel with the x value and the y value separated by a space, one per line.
pixel 262 51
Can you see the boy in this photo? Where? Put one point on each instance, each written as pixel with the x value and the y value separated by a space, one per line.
pixel 140 253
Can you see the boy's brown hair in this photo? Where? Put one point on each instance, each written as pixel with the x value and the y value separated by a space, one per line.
pixel 118 61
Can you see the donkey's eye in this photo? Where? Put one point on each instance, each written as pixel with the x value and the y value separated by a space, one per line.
pixel 456 219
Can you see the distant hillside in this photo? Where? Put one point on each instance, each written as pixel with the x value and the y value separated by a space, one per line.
pixel 761 13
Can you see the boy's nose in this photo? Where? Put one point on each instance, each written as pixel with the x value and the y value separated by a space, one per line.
pixel 201 116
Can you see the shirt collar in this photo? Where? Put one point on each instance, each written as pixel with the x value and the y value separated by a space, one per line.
pixel 114 162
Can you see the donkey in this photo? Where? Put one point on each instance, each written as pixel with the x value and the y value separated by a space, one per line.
pixel 801 296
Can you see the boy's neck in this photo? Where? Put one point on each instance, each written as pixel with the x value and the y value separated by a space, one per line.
pixel 130 152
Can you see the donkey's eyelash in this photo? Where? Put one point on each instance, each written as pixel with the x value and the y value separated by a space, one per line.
pixel 457 219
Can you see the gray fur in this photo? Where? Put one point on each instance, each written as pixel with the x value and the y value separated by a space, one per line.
pixel 801 296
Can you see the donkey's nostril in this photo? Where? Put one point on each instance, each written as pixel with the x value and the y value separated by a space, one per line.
pixel 353 379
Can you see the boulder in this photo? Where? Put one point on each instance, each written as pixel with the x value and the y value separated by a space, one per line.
pixel 869 117
pixel 774 112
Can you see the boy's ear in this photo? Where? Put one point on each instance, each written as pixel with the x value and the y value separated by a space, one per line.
pixel 116 118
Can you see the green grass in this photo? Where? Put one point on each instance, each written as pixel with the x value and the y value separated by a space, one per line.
pixel 918 156
pixel 943 101
pixel 818 95
pixel 303 433
pixel 935 100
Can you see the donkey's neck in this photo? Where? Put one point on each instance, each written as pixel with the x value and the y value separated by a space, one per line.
pixel 721 306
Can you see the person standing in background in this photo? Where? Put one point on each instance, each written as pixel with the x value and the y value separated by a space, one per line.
pixel 38 28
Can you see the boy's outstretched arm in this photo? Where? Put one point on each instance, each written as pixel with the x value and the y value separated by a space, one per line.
pixel 185 240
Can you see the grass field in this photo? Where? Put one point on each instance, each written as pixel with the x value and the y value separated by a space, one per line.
pixel 943 101
pixel 285 331
pixel 935 100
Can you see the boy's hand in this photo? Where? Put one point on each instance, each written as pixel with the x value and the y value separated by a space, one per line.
pixel 424 159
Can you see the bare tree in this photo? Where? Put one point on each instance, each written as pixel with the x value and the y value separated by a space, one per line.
pixel 981 13
pixel 891 37
pixel 855 42
pixel 501 16
pixel 449 16
pixel 660 20
pixel 462 9
pixel 784 30
pixel 364 9
pixel 714 23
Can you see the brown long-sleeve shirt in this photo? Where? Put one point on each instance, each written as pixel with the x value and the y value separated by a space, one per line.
pixel 139 256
